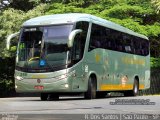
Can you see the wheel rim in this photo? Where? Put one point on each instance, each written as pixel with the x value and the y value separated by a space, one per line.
pixel 136 87
pixel 93 90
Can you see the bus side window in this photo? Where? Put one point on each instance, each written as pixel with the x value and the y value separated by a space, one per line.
pixel 80 40
pixel 127 43
pixel 116 40
pixel 145 46
pixel 109 39
pixel 132 45
pixel 137 46
pixel 95 38
pixel 102 37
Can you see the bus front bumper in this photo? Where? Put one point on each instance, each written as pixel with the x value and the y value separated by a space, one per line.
pixel 42 85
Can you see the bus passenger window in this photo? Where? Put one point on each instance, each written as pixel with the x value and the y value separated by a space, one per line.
pixel 97 37
pixel 145 46
pixel 127 48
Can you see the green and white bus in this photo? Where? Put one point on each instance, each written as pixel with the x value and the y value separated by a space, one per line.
pixel 80 53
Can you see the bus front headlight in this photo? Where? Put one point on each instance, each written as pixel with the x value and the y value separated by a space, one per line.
pixel 63 76
pixel 18 78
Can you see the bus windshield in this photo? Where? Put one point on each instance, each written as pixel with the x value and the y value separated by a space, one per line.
pixel 43 48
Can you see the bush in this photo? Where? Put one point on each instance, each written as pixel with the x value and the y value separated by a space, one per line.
pixel 7 77
pixel 155 62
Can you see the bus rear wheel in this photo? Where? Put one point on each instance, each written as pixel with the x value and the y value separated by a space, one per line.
pixel 91 92
pixel 135 90
pixel 44 96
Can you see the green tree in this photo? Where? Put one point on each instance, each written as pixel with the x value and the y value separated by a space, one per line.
pixel 4 3
pixel 137 15
pixel 11 21
pixel 156 3
pixel 23 5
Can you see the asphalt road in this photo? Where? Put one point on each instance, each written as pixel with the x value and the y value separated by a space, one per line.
pixel 79 105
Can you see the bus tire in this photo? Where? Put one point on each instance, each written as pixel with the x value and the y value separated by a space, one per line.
pixel 101 94
pixel 135 90
pixel 91 92
pixel 135 87
pixel 44 96
pixel 53 96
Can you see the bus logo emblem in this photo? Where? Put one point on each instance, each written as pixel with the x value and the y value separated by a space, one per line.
pixel 38 80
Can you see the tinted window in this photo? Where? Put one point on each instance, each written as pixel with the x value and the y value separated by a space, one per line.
pixel 79 41
pixel 102 37
pixel 98 36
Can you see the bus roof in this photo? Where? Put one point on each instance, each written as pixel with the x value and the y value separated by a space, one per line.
pixel 73 17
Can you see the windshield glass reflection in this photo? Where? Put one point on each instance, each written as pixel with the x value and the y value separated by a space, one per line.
pixel 43 48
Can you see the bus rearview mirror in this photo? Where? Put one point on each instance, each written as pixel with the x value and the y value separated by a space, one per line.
pixel 9 38
pixel 72 36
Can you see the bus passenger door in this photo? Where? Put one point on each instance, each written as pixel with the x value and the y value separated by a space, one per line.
pixel 78 55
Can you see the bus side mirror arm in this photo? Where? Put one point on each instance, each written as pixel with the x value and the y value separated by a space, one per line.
pixel 9 39
pixel 72 36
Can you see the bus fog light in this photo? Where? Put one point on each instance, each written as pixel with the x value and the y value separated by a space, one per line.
pixel 66 85
pixel 63 76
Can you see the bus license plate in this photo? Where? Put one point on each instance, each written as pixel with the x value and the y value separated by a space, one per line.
pixel 39 87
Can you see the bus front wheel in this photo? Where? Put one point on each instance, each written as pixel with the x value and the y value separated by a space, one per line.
pixel 44 96
pixel 53 96
pixel 91 92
